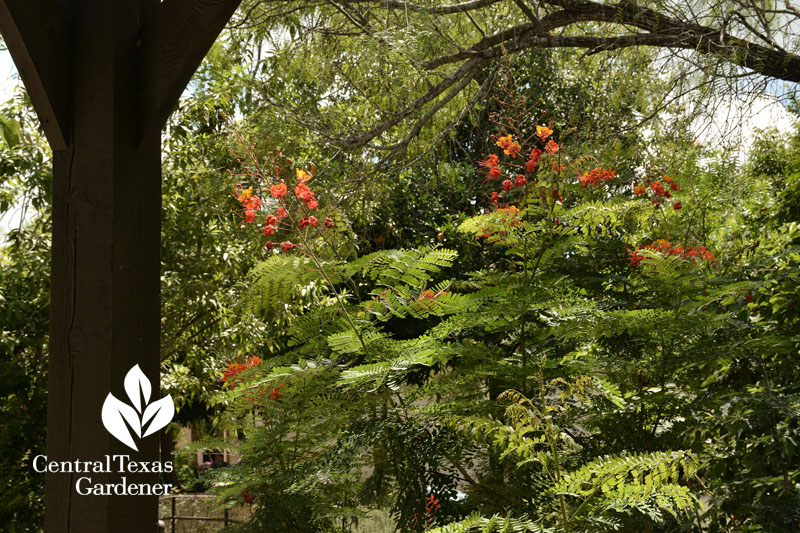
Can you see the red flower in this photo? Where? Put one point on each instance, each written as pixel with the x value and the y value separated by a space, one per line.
pixel 308 221
pixel 551 147
pixel 521 181
pixel 278 191
pixel 557 195
pixel 312 204
pixel 663 246
pixel 596 176
pixel 677 205
pixel 639 190
pixel 536 154
pixel 329 223
pixel 269 230
pixel 253 202
pixel 673 186
pixel 249 216
pixel 282 213
pixel 658 188
pixel 271 220
pixel 432 504
pixel 494 197
pixel 303 192
pixel 531 165
pixel 495 173
pixel 275 394
pixel 247 497
pixel 507 185
pixel 491 162
pixel 268 245
pixel 748 297
pixel 287 246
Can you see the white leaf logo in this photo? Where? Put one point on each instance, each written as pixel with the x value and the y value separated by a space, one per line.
pixel 118 416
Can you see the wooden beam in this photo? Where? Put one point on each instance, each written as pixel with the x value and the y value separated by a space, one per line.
pixel 104 76
pixel 174 43
pixel 38 38
pixel 104 291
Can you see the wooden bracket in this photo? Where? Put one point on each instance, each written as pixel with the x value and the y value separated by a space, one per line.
pixel 175 41
pixel 37 35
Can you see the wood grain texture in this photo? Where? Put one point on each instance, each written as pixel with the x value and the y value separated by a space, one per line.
pixel 37 37
pixel 174 43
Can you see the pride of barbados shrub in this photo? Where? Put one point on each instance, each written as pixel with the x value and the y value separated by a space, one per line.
pixel 552 389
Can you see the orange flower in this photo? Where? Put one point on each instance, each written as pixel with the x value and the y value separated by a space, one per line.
pixel 509 145
pixel 551 147
pixel 303 176
pixel 278 191
pixel 494 173
pixel 513 149
pixel 303 192
pixel 543 132
pixel 595 176
pixel 508 185
pixel 492 161
pixel 282 213
pixel 639 190
pixel 269 230
pixel 502 142
pixel 254 203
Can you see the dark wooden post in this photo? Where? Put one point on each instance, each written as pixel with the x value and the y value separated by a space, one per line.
pixel 103 76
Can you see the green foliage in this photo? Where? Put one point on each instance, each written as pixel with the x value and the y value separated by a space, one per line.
pixel 24 317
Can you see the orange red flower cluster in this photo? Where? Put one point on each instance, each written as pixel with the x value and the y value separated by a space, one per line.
pixel 664 247
pixel 275 393
pixel 234 369
pixel 596 176
pixel 290 215
pixel 250 203
pixel 432 504
pixel 658 191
